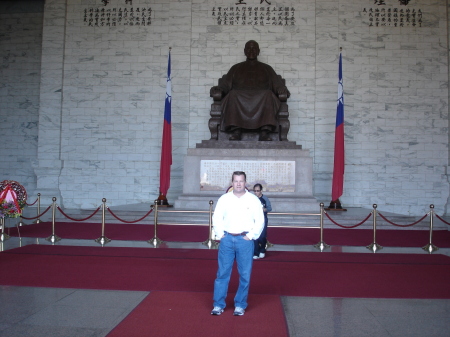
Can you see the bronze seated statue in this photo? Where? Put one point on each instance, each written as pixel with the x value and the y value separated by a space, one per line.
pixel 250 101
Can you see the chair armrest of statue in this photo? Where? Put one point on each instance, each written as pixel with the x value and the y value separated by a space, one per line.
pixel 251 97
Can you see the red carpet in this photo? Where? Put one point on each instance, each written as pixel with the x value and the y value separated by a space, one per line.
pixel 282 236
pixel 186 314
pixel 281 273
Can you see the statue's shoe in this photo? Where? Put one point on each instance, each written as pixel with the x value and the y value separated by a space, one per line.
pixel 235 136
pixel 264 137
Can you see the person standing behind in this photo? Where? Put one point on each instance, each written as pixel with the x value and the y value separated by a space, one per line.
pixel 238 220
pixel 260 243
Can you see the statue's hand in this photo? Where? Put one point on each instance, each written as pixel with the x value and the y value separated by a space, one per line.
pixel 283 94
pixel 282 91
pixel 215 93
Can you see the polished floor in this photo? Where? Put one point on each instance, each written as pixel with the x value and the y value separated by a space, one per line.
pixel 47 312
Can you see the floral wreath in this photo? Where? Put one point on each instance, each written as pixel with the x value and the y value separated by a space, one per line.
pixel 13 197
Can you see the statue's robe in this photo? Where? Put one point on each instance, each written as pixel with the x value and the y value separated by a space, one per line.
pixel 250 101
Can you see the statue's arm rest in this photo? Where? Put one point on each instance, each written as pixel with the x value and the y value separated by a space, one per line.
pixel 218 92
pixel 284 94
pixel 283 97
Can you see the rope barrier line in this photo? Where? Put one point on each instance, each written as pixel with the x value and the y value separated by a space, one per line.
pixel 32 203
pixel 23 217
pixel 437 216
pixel 394 224
pixel 359 224
pixel 146 215
pixel 211 242
pixel 73 219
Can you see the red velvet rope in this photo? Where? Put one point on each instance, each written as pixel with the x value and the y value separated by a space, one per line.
pixel 437 216
pixel 129 221
pixel 32 203
pixel 68 217
pixel 23 217
pixel 359 224
pixel 381 215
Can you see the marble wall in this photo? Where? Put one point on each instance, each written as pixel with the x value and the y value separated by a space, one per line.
pixel 20 68
pixel 102 94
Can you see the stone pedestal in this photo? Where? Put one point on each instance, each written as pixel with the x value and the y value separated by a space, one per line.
pixel 286 175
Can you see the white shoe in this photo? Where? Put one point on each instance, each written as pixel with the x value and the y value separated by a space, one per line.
pixel 255 257
pixel 238 311
pixel 262 255
pixel 217 311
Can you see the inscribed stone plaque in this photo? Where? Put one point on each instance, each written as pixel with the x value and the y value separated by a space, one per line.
pixel 274 176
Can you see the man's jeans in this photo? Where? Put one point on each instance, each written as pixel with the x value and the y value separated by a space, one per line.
pixel 231 248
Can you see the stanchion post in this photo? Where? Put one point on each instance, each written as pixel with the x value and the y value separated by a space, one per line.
pixel 53 238
pixel 374 246
pixel 38 208
pixel 3 235
pixel 155 241
pixel 103 240
pixel 20 223
pixel 210 243
pixel 321 245
pixel 430 248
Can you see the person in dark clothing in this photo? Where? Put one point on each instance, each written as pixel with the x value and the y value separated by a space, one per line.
pixel 260 243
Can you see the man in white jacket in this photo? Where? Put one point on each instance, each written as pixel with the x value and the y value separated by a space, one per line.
pixel 238 220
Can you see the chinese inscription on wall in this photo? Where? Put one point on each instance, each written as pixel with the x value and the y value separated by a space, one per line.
pixel 382 16
pixel 275 176
pixel 117 16
pixel 243 15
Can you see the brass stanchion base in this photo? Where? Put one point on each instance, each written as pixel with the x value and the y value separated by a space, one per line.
pixel 155 241
pixel 37 221
pixel 53 238
pixel 374 247
pixel 321 246
pixel 103 240
pixel 211 244
pixel 268 244
pixel 20 223
pixel 430 248
pixel 4 237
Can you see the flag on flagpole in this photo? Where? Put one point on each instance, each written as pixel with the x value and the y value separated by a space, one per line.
pixel 166 148
pixel 339 156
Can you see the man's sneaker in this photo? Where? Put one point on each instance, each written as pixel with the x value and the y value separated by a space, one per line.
pixel 238 311
pixel 262 255
pixel 255 257
pixel 216 311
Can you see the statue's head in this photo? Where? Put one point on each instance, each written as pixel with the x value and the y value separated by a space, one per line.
pixel 251 50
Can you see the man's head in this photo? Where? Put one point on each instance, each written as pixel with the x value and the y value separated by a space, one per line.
pixel 251 50
pixel 238 180
pixel 258 190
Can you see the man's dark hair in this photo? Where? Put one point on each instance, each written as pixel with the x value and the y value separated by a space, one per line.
pixel 238 173
pixel 258 185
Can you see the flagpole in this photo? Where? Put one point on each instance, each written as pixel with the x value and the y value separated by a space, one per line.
pixel 166 144
pixel 339 153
